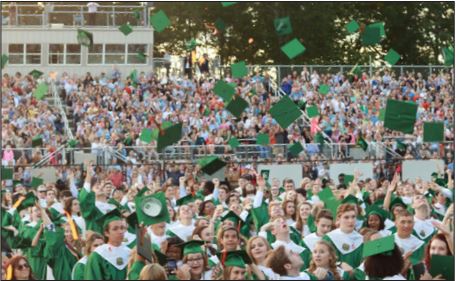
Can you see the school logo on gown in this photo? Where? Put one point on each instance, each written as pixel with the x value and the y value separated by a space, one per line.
pixel 422 233
pixel 346 247
pixel 119 261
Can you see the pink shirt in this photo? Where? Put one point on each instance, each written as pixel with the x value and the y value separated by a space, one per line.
pixel 8 155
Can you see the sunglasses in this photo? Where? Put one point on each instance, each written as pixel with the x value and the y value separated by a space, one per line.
pixel 23 266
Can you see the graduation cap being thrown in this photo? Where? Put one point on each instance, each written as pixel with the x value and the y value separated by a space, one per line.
pixel 237 106
pixel 211 164
pixel 383 246
pixel 400 116
pixel 126 29
pixel 160 21
pixel 169 136
pixel 433 132
pixel 283 26
pixel 85 37
pixel 36 73
pixel 293 48
pixel 224 90
pixel 285 112
pixel 152 209
pixel 5 59
pixel 239 70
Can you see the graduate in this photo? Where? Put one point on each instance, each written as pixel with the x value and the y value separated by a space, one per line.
pixel 93 241
pixel 185 224
pixel 287 264
pixel 324 222
pixel 345 239
pixel 423 227
pixel 236 265
pixel 109 261
pixel 195 262
pixel 258 249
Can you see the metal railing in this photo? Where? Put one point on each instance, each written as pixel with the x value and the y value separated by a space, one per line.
pixel 73 15
pixel 58 104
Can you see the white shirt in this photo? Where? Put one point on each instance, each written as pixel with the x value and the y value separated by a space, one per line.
pixel 311 239
pixel 92 7
pixel 302 276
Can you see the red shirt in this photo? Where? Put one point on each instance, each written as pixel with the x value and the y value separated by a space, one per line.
pixel 117 179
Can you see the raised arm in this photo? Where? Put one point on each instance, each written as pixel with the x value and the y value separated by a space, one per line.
pixel 389 192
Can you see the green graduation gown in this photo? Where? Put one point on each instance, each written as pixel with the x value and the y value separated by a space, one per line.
pixel 349 247
pixel 35 255
pixel 107 263
pixel 78 269
pixel 135 270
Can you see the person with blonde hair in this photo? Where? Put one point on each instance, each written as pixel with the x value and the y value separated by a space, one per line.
pixel 153 272
pixel 93 241
pixel 258 249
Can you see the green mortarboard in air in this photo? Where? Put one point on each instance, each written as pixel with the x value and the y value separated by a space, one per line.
pixel 332 204
pixel 4 60
pixel 285 112
pixel 381 114
pixel 371 35
pixel 220 24
pixel 265 174
pixel 262 139
pixel 312 111
pixel 392 57
pixel 283 26
pixel 295 148
pixel 236 106
pixel 400 145
pixel 7 173
pixel 293 48
pixel 352 26
pixel 125 29
pixel 85 38
pixel 397 201
pixel 192 247
pixel 224 90
pixel 36 182
pixel 234 258
pixel 141 56
pixel 356 70
pixel 152 209
pixel 234 142
pixel 382 245
pixel 27 201
pixel 325 194
pixel 350 199
pixel 37 141
pixel 239 70
pixel 211 164
pixel 146 135
pixel 433 132
pixel 318 138
pixel 448 55
pixel 113 215
pixel 160 21
pixel 170 136
pixel 36 73
pixel 348 179
pixel 137 14
pixel 400 116
pixel 227 4
pixel 72 143
pixel 442 265
pixel 187 199
pixel 362 143
pixel 190 45
pixel 381 26
pixel 323 89
pixel 40 91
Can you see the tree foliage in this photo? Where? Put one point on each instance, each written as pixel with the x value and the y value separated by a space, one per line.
pixel 416 30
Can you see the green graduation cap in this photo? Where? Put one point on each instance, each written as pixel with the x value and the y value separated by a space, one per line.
pixel 283 26
pixel 192 247
pixel 36 182
pixel 376 210
pixel 227 4
pixel 318 138
pixel 7 173
pixel 85 38
pixel 125 29
pixel 234 258
pixel 25 201
pixel 362 143
pixel 433 132
pixel 239 70
pixel 113 215
pixel 352 26
pixel 231 216
pixel 160 21
pixel 293 48
pixel 169 136
pixel 400 116
pixel 262 139
pixel 371 35
pixel 190 45
pixel 220 25
pixel 348 179
pixel 224 90
pixel 397 201
pixel 392 57
pixel 332 204
pixel 141 57
pixel 383 245
pixel 5 59
pixel 236 106
pixel 381 26
pixel 442 265
pixel 132 220
pixel 381 114
pixel 234 142
pixel 211 164
pixel 312 111
pixel 448 55
pixel 146 135
pixel 323 89
pixel 41 91
pixel 152 209
pixel 37 141
pixel 187 199
pixel 325 194
pixel 36 73
pixel 285 112
pixel 295 148
pixel 137 14
pixel 72 143
pixel 350 199
pixel 356 70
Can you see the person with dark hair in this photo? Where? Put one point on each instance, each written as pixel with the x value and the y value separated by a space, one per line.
pixel 386 266
pixel 324 224
pixel 287 264
pixel 18 268
pixel 438 245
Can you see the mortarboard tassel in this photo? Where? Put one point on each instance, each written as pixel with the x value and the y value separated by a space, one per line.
pixel 225 253
pixel 9 272
pixel 74 230
pixel 18 202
